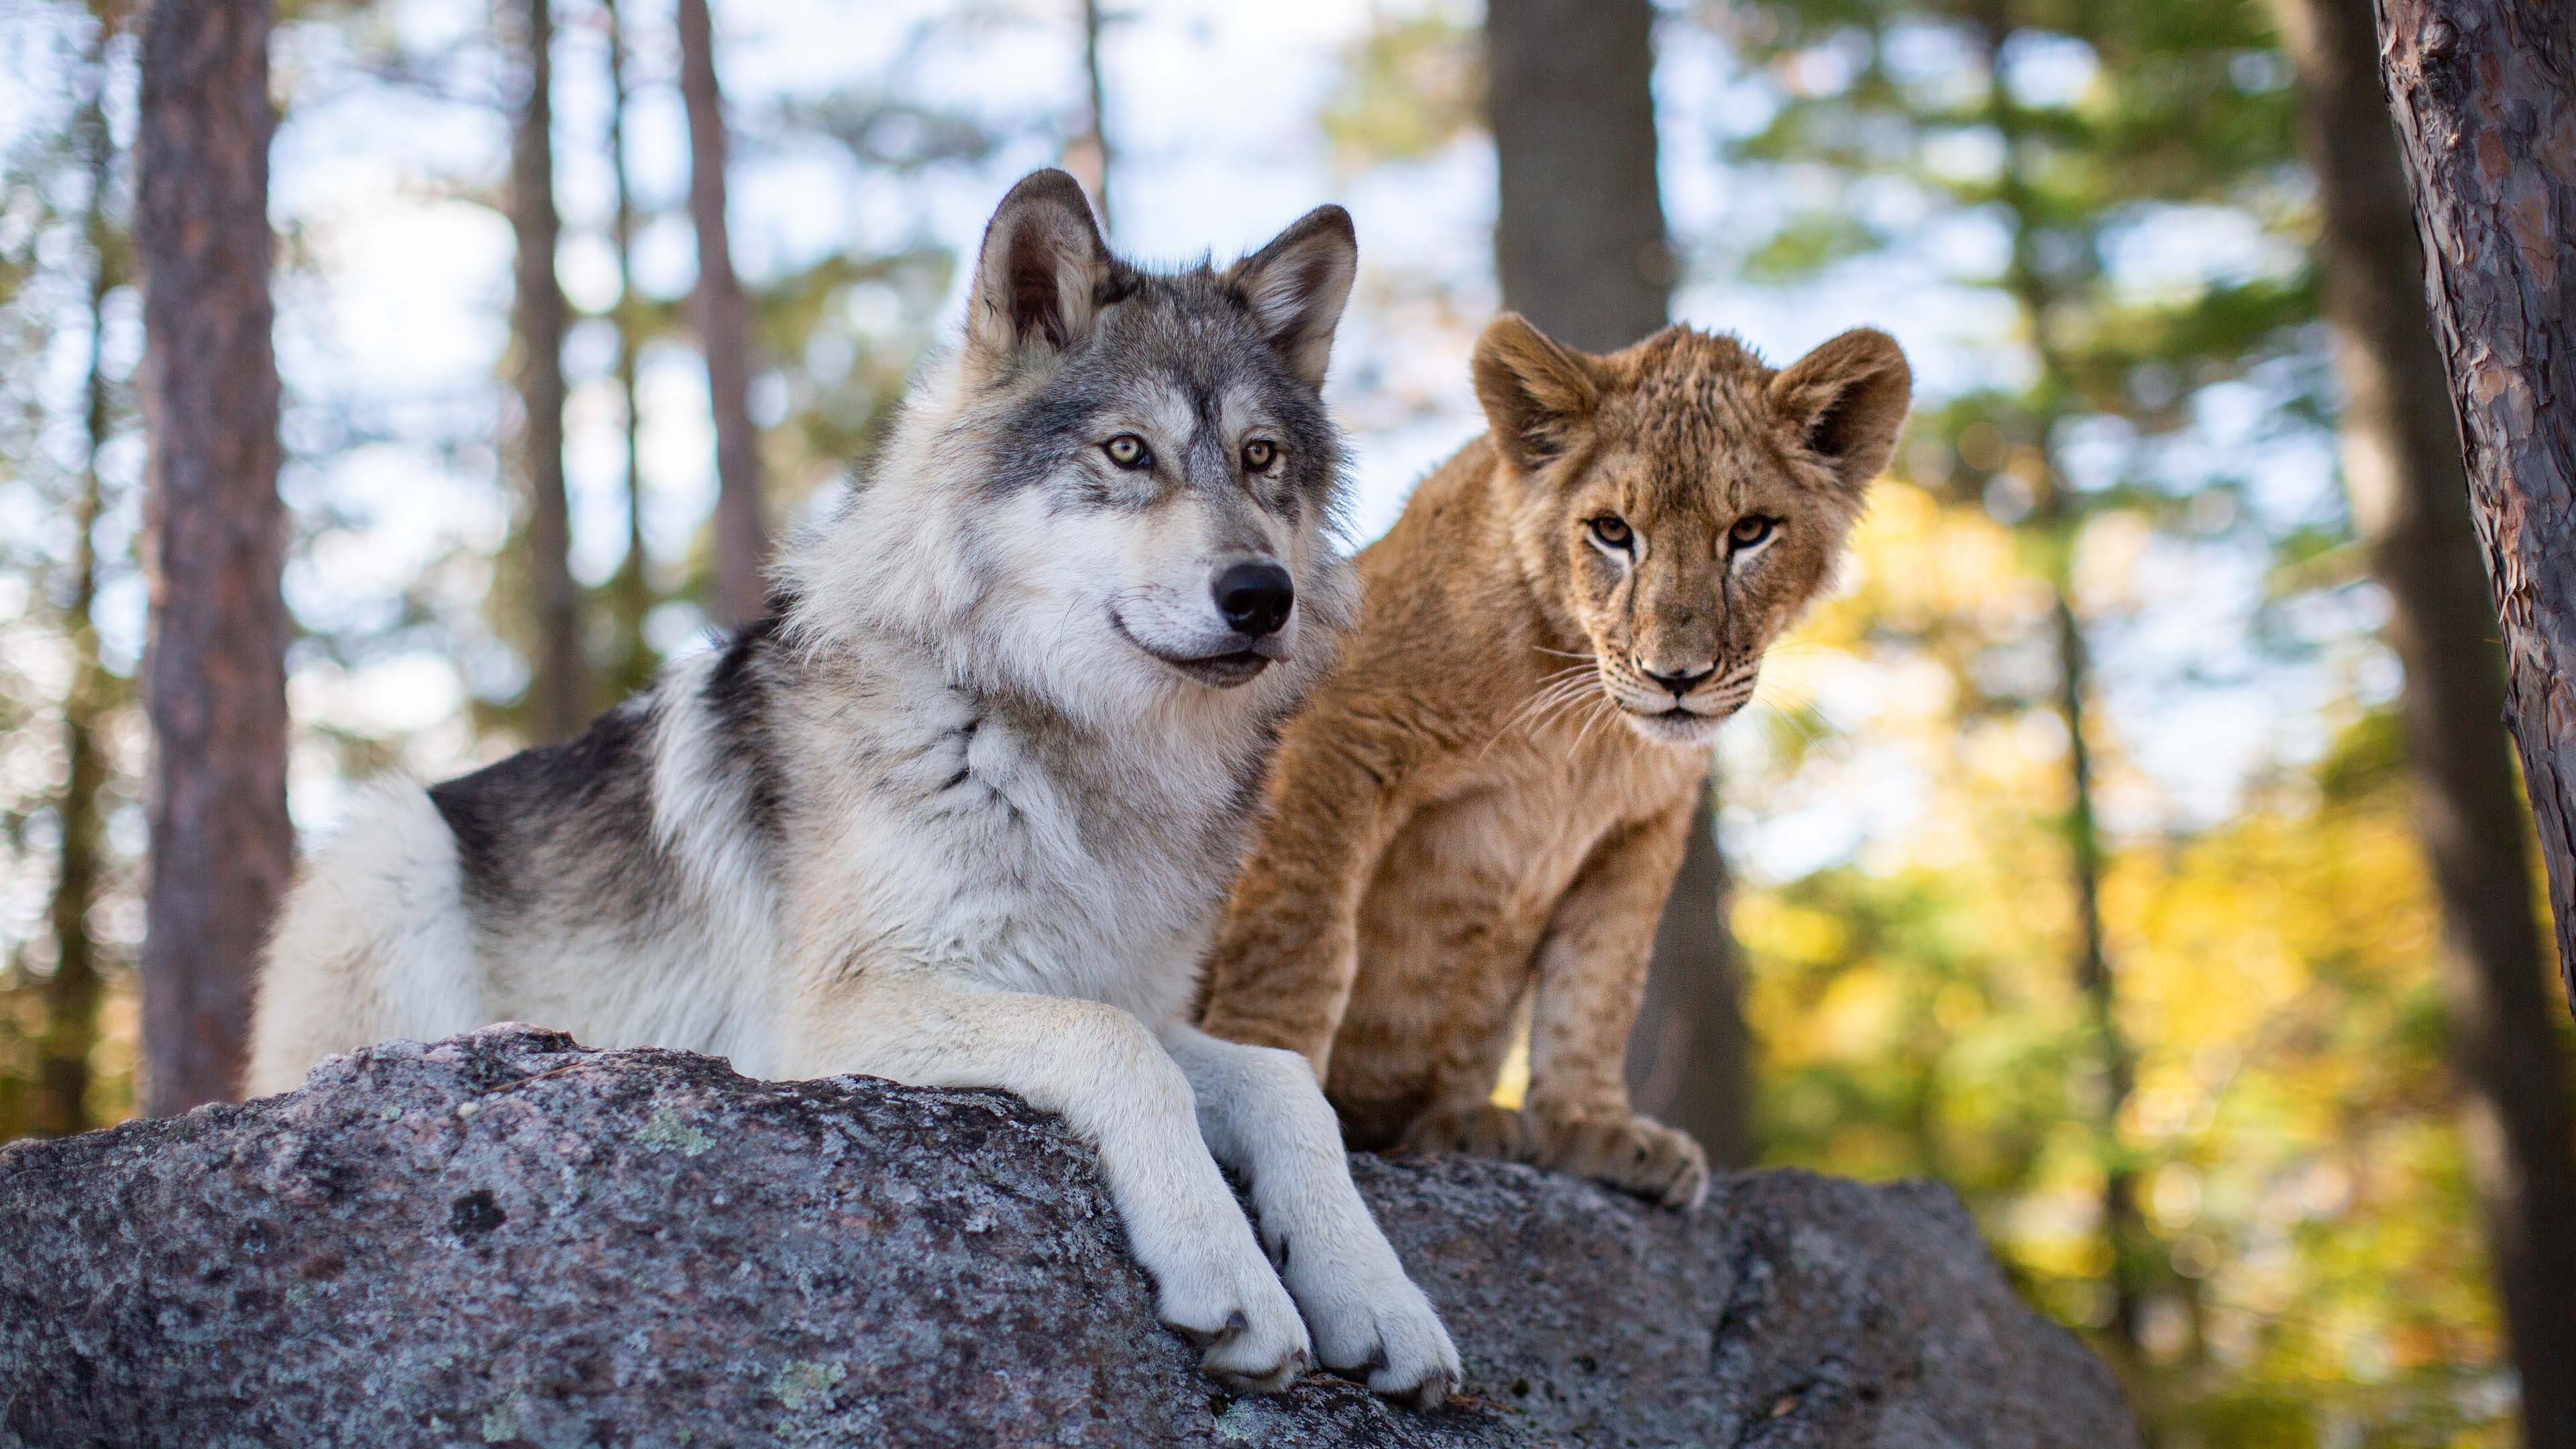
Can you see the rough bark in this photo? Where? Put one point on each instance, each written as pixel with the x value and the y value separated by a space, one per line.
pixel 2484 94
pixel 505 1239
pixel 215 676
pixel 2402 471
pixel 724 332
pixel 72 993
pixel 559 684
pixel 1580 247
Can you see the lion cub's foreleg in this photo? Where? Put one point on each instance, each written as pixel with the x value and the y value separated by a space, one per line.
pixel 1591 967
pixel 1591 978
pixel 1288 949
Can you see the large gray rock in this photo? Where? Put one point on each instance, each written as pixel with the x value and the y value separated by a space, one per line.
pixel 507 1239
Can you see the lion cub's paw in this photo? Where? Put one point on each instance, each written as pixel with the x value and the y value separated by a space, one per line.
pixel 1637 1154
pixel 1480 1129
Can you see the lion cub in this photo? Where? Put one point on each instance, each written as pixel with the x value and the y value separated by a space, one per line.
pixel 1490 801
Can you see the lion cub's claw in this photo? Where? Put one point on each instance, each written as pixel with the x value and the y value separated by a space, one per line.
pixel 1634 1154
pixel 1479 1129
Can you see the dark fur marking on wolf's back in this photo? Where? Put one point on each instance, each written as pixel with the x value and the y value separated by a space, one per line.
pixel 560 816
pixel 737 696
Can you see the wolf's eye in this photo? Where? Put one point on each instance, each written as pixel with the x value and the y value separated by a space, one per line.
pixel 1128 451
pixel 1612 531
pixel 1259 454
pixel 1750 530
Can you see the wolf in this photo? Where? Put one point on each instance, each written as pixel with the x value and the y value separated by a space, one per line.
pixel 962 811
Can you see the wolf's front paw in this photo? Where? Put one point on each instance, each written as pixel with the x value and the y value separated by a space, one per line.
pixel 1371 1323
pixel 1638 1154
pixel 1240 1316
pixel 1479 1129
pixel 1374 1325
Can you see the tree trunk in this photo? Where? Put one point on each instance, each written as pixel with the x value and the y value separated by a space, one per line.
pixel 2484 92
pixel 724 331
pixel 2123 1228
pixel 632 591
pixel 2401 465
pixel 1690 1056
pixel 72 994
pixel 1088 156
pixel 1581 250
pixel 559 690
pixel 1580 244
pixel 215 681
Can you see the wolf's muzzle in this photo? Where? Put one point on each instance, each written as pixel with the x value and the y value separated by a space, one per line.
pixel 1254 597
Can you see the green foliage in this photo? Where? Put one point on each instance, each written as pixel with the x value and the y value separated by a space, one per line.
pixel 1409 87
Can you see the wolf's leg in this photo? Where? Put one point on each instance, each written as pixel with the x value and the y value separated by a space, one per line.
pixel 1591 977
pixel 372 944
pixel 1101 1070
pixel 1263 1115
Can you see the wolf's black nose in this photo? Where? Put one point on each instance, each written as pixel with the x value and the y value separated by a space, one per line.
pixel 1254 597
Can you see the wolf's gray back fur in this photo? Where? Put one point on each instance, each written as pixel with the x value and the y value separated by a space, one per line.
pixel 963 810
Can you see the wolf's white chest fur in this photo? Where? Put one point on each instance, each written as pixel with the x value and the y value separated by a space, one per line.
pixel 919 828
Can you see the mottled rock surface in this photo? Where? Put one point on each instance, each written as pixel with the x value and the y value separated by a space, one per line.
pixel 506 1239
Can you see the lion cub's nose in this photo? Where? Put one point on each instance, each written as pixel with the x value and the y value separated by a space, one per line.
pixel 1680 684
pixel 1254 597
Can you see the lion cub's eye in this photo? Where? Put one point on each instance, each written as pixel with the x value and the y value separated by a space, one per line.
pixel 1612 531
pixel 1751 529
pixel 1128 451
pixel 1259 454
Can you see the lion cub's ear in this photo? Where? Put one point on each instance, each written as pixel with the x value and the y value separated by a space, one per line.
pixel 1039 276
pixel 1295 288
pixel 1537 394
pixel 1845 402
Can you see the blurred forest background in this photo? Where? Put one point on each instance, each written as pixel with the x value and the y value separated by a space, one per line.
pixel 2131 842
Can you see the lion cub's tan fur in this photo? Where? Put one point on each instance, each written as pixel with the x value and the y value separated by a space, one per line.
pixel 1490 801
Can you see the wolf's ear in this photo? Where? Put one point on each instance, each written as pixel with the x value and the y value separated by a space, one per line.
pixel 1040 274
pixel 1295 288
pixel 1536 393
pixel 1846 400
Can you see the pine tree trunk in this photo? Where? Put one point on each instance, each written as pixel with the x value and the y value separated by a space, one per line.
pixel 2123 1228
pixel 1581 250
pixel 1580 244
pixel 2484 92
pixel 724 331
pixel 2402 469
pixel 559 690
pixel 632 592
pixel 1088 156
pixel 215 679
pixel 72 994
